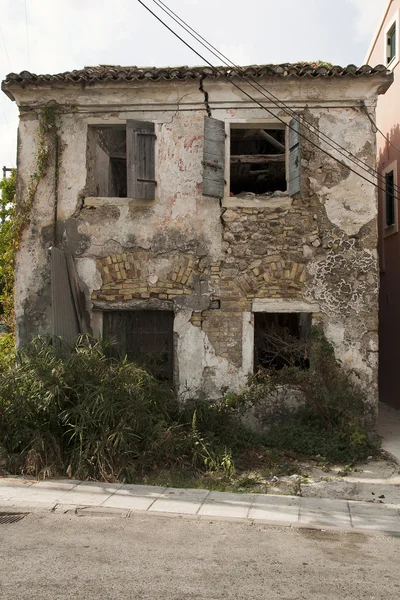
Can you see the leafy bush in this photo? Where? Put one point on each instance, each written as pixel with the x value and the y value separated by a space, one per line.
pixel 79 411
pixel 327 413
pixel 82 410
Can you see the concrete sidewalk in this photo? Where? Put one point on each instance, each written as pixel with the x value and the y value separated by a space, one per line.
pixel 103 498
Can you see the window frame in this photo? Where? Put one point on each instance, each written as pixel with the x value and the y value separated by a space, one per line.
pixel 270 305
pixel 393 23
pixel 94 200
pixel 394 227
pixel 253 124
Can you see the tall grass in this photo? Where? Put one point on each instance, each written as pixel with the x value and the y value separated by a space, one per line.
pixel 80 412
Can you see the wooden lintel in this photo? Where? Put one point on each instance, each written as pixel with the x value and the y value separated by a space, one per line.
pixel 257 159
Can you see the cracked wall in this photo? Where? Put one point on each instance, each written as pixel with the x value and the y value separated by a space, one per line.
pixel 209 261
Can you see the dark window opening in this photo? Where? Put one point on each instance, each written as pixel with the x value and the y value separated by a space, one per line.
pixel 391 40
pixel 145 337
pixel 258 161
pixel 280 340
pixel 390 199
pixel 111 162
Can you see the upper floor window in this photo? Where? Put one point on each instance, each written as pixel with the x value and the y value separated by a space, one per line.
pixel 262 158
pixel 257 160
pixel 391 43
pixel 121 161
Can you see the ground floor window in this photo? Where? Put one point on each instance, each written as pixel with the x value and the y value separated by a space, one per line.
pixel 144 336
pixel 280 340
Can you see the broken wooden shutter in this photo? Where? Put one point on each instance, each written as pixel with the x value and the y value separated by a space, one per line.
pixel 64 316
pixel 214 158
pixel 77 295
pixel 294 157
pixel 140 149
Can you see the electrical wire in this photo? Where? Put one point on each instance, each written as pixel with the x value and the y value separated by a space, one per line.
pixel 5 47
pixel 27 36
pixel 379 130
pixel 260 88
pixel 215 69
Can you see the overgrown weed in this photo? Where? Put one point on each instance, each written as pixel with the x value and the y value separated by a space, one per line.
pixel 78 412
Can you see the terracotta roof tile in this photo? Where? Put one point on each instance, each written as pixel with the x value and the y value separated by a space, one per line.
pixel 105 73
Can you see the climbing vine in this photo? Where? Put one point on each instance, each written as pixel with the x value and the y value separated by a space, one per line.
pixel 18 217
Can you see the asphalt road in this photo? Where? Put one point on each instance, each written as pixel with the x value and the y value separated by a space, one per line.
pixel 51 556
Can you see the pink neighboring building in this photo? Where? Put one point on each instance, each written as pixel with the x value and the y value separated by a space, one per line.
pixel 385 48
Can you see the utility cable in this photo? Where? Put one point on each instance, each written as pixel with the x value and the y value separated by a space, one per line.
pixel 364 107
pixel 215 69
pixel 275 100
pixel 5 48
pixel 27 36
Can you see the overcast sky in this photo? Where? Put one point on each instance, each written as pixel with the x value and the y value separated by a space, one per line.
pixel 60 35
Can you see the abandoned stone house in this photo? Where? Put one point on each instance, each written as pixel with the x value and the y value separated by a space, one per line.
pixel 181 218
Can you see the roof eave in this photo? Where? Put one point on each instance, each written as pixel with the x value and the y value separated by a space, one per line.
pixel 5 89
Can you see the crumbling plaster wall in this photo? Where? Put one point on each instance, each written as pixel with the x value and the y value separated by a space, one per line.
pixel 210 260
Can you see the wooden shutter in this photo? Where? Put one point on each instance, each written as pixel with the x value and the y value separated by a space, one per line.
pixel 392 43
pixel 140 145
pixel 294 157
pixel 214 158
pixel 145 337
pixel 77 295
pixel 64 316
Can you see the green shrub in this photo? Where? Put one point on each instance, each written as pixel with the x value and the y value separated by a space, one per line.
pixel 330 416
pixel 77 411
pixel 81 409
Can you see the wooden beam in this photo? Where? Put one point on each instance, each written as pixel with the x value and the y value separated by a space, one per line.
pixel 272 140
pixel 256 159
pixel 266 136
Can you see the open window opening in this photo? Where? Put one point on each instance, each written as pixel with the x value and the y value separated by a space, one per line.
pixel 280 340
pixel 144 337
pixel 124 160
pixel 257 161
pixel 111 163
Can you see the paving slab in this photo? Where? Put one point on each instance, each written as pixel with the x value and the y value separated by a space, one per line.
pixel 8 486
pixel 272 508
pixel 28 506
pixel 90 494
pixel 134 497
pixel 45 491
pixel 317 511
pixel 375 517
pixel 225 504
pixel 177 500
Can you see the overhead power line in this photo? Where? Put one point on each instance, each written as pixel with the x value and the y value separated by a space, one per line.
pixel 379 130
pixel 222 74
pixel 27 36
pixel 270 96
pixel 5 48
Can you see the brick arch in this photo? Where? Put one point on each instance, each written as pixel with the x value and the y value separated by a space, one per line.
pixel 274 277
pixel 125 276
